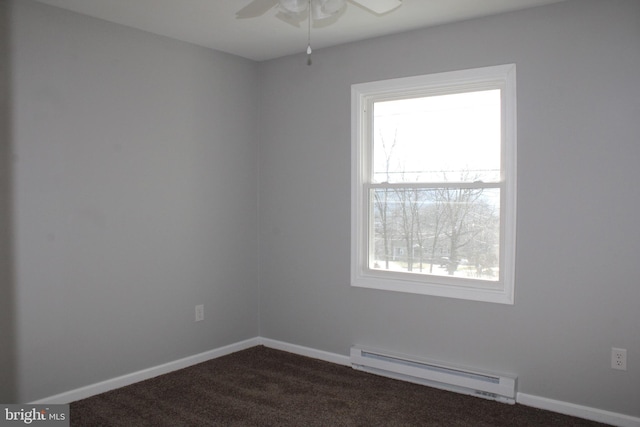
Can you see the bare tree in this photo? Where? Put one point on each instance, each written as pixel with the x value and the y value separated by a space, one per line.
pixel 408 223
pixel 459 203
pixel 451 223
pixel 416 208
pixel 382 200
pixel 437 226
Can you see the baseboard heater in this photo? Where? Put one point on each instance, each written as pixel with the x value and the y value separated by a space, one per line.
pixel 482 384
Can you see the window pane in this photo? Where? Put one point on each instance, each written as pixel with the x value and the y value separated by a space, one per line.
pixel 445 138
pixel 444 232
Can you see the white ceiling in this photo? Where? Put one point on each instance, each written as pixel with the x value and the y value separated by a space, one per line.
pixel 213 23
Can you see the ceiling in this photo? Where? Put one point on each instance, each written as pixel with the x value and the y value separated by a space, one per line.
pixel 213 23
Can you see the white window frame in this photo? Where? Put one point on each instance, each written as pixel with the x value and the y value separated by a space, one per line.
pixel 363 95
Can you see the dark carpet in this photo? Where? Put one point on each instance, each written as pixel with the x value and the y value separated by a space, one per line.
pixel 266 387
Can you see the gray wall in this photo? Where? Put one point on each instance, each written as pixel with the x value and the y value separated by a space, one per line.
pixel 7 318
pixel 135 198
pixel 577 280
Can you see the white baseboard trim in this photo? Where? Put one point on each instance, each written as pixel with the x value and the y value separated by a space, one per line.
pixel 145 374
pixel 580 411
pixel 566 408
pixel 306 351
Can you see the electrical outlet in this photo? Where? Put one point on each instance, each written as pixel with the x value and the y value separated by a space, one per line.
pixel 619 359
pixel 199 313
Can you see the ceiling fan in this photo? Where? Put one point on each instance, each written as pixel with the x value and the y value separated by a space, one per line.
pixel 298 10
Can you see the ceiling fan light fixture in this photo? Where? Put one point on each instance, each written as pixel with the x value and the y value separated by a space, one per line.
pixel 327 8
pixel 319 9
pixel 294 7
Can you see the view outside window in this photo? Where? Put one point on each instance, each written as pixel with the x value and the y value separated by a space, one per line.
pixel 435 185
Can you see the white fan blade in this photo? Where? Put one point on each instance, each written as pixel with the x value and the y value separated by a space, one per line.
pixel 379 6
pixel 256 8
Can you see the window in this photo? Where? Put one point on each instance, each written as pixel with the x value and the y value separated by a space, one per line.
pixel 434 184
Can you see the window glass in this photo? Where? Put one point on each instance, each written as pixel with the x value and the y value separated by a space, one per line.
pixel 443 231
pixel 434 184
pixel 438 138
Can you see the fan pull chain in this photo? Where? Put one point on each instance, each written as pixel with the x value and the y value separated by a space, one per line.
pixel 309 36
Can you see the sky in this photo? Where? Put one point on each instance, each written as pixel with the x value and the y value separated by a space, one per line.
pixel 428 135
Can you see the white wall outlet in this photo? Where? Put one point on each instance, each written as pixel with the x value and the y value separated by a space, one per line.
pixel 199 313
pixel 619 358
